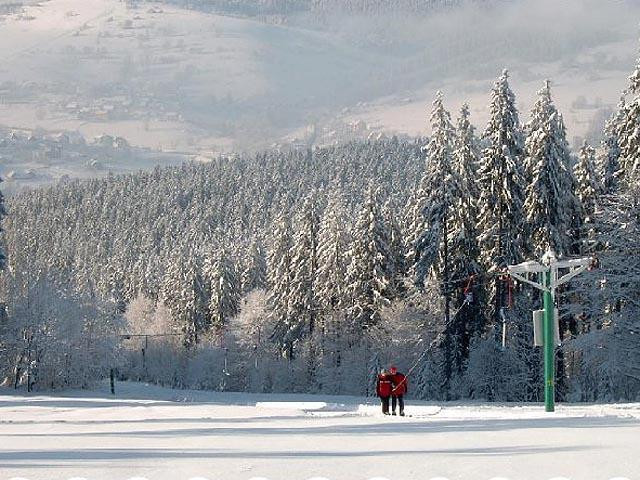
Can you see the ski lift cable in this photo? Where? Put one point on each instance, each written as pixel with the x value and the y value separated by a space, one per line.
pixel 489 276
pixel 467 288
pixel 432 344
pixel 501 275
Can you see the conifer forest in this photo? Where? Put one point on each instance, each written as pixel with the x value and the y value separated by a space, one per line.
pixel 308 269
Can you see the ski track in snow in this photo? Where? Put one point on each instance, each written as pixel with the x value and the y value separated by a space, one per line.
pixel 156 433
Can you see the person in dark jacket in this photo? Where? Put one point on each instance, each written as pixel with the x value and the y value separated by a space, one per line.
pixel 383 390
pixel 398 390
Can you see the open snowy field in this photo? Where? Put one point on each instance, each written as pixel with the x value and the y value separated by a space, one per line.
pixel 158 433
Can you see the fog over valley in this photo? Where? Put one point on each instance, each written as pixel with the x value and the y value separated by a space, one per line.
pixel 204 78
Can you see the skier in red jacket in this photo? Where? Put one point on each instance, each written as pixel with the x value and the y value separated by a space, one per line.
pixel 400 387
pixel 383 389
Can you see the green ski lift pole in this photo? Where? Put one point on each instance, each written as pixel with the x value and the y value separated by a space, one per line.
pixel 549 344
pixel 548 269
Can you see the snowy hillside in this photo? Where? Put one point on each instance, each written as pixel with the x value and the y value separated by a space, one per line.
pixel 165 77
pixel 155 433
pixel 168 78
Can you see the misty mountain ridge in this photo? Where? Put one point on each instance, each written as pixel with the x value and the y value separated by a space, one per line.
pixel 174 77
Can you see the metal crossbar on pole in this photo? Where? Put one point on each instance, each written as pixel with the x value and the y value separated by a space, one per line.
pixel 548 270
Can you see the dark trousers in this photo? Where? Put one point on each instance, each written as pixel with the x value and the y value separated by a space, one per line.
pixel 400 401
pixel 385 405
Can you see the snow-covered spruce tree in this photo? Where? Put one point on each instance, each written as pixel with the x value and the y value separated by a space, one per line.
pixel 467 158
pixel 465 251
pixel 280 286
pixel 143 280
pixel 500 218
pixel 2 214
pixel 447 249
pixel 303 308
pixel 628 138
pixel 254 267
pixel 433 245
pixel 111 284
pixel 397 247
pixel 185 294
pixel 608 160
pixel 609 351
pixel 588 190
pixel 444 189
pixel 303 305
pixel 551 209
pixel 224 289
pixel 370 272
pixel 495 375
pixel 617 236
pixel 330 280
pixel 414 223
pixel 550 205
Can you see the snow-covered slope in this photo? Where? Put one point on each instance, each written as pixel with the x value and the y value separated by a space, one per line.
pixel 167 77
pixel 159 433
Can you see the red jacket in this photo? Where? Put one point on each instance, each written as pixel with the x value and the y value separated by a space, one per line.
pixel 400 385
pixel 384 385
